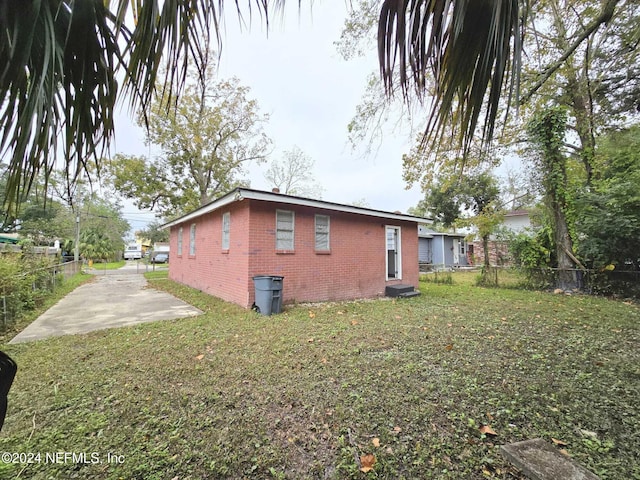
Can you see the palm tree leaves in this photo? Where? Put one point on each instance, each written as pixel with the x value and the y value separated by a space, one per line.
pixel 60 64
pixel 469 47
pixel 57 82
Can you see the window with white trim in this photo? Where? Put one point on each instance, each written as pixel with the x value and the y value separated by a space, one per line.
pixel 180 241
pixel 226 229
pixel 192 239
pixel 285 220
pixel 322 233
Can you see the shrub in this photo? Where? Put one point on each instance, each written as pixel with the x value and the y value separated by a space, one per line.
pixel 25 280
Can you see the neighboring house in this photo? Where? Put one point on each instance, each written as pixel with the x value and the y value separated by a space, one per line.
pixel 516 221
pixel 325 251
pixel 440 249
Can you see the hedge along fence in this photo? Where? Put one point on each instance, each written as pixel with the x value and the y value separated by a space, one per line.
pixel 26 280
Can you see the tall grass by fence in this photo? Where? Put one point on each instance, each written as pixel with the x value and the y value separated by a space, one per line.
pixel 22 289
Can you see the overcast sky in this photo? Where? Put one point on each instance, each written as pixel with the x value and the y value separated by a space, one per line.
pixel 298 78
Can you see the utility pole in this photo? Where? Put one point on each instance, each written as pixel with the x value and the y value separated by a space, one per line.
pixel 76 250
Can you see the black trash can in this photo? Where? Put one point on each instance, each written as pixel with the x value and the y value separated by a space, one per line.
pixel 268 290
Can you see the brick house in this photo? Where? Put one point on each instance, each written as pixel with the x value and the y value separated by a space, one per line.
pixel 325 251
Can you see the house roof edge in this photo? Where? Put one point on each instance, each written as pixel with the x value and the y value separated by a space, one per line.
pixel 241 193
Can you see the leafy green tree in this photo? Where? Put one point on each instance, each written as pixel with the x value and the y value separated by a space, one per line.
pixel 293 174
pixel 442 203
pixel 464 200
pixel 43 223
pixel 608 222
pixel 595 83
pixel 153 233
pixel 547 133
pixel 102 228
pixel 95 245
pixel 206 142
pixel 467 55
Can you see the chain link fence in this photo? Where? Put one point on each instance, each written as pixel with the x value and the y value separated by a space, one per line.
pixel 24 290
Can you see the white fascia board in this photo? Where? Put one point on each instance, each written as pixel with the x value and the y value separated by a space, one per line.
pixel 308 202
pixel 210 207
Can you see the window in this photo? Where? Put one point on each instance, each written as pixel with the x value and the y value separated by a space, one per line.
pixel 180 241
pixel 284 229
pixel 226 228
pixel 192 239
pixel 322 232
pixel 462 247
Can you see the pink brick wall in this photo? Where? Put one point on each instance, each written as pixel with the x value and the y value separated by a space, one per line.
pixel 354 268
pixel 212 270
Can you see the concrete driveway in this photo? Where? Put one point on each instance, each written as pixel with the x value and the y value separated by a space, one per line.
pixel 116 298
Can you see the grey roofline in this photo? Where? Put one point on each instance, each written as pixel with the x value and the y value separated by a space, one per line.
pixel 443 234
pixel 239 194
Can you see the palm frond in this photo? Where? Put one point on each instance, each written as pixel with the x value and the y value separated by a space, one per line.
pixel 470 47
pixel 59 65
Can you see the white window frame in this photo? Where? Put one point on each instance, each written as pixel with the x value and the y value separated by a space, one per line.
pixel 192 240
pixel 318 245
pixel 226 230
pixel 180 234
pixel 398 252
pixel 291 246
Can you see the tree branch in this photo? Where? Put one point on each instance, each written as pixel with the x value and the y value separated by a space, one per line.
pixel 605 15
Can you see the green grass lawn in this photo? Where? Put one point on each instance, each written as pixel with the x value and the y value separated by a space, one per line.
pixel 108 265
pixel 306 393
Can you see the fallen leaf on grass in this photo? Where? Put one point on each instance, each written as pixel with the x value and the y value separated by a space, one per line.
pixel 558 442
pixel 354 322
pixel 396 430
pixel 487 430
pixel 449 347
pixel 376 442
pixel 367 462
pixel 564 452
pixel 312 315
pixel 310 340
pixel 200 357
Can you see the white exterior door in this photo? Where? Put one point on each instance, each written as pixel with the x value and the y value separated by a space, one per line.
pixel 394 263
